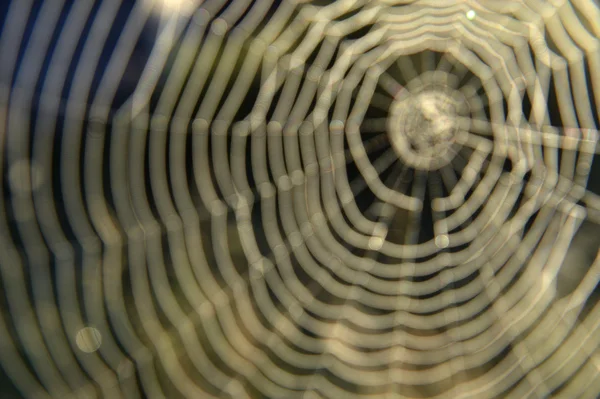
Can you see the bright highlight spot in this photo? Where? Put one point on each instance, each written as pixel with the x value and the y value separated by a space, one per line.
pixel 471 15
pixel 375 243
pixel 184 7
pixel 88 339
pixel 25 176
pixel 442 241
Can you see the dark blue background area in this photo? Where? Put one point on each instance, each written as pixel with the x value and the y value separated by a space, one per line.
pixel 125 88
pixel 135 65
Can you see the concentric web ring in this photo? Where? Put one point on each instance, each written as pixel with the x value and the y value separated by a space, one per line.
pixel 263 199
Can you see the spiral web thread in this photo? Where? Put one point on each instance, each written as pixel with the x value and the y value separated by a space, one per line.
pixel 300 199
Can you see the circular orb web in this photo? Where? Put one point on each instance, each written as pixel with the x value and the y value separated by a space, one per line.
pixel 264 199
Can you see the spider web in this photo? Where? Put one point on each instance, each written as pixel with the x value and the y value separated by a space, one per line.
pixel 262 199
